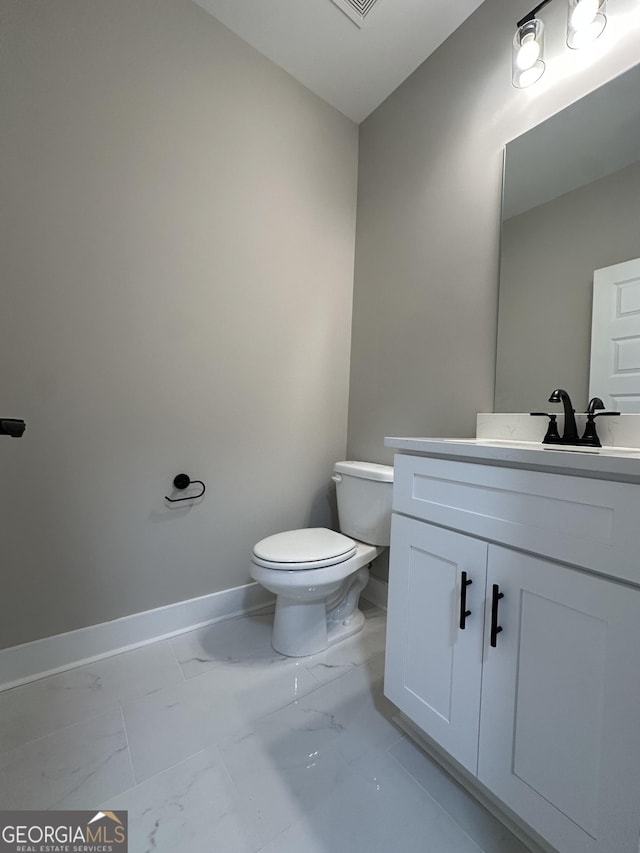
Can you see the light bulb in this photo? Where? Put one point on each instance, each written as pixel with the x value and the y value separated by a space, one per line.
pixel 586 35
pixel 529 52
pixel 584 14
pixel 587 20
pixel 530 76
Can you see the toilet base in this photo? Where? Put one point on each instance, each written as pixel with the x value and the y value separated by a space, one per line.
pixel 302 629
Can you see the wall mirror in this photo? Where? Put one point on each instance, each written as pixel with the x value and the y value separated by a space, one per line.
pixel 571 205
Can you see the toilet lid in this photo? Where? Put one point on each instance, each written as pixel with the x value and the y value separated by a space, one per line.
pixel 312 547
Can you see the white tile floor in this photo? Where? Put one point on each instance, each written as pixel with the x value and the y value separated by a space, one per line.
pixel 214 742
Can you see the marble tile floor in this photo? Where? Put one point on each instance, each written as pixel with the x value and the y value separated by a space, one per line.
pixel 212 741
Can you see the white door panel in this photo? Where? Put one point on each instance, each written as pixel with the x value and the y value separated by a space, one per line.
pixel 615 337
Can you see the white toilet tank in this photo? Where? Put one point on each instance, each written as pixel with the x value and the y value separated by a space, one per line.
pixel 363 490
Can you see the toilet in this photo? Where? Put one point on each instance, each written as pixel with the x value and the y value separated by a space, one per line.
pixel 318 574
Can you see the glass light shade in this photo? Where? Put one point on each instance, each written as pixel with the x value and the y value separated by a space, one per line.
pixel 527 65
pixel 585 22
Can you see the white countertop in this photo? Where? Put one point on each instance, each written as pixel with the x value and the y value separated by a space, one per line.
pixel 610 463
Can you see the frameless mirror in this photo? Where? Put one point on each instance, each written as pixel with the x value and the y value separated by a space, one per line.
pixel 571 205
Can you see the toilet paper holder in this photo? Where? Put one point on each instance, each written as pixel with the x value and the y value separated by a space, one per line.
pixel 183 481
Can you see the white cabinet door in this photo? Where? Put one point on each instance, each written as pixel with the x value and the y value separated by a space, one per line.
pixel 560 711
pixel 433 666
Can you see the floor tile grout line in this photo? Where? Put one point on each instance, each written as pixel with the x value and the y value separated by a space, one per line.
pixel 239 795
pixel 175 657
pixel 86 718
pixel 139 782
pixel 126 738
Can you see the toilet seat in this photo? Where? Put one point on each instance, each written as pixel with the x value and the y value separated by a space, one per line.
pixel 297 550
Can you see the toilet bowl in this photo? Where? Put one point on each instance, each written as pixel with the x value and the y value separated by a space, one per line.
pixel 318 574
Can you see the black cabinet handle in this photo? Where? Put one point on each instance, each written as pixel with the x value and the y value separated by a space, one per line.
pixel 463 600
pixel 495 628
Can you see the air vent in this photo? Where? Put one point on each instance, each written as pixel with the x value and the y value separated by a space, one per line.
pixel 357 10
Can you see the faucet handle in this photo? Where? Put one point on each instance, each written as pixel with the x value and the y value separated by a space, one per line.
pixel 602 414
pixel 591 437
pixel 552 436
pixel 594 403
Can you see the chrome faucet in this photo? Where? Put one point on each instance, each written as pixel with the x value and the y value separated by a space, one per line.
pixel 570 434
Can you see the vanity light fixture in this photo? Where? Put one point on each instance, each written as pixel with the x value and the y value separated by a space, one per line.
pixel 586 19
pixel 528 51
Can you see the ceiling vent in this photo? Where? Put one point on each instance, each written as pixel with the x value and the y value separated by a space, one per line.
pixel 357 10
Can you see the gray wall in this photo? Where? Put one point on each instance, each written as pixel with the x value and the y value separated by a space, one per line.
pixel 430 171
pixel 177 241
pixel 546 288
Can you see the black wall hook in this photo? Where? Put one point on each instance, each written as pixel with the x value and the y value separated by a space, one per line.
pixel 183 481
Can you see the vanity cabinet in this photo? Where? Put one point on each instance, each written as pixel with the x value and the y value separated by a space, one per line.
pixel 536 693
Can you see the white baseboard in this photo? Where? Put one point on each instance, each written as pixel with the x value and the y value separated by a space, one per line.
pixel 29 661
pixel 376 592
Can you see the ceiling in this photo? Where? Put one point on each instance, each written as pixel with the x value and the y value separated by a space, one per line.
pixel 352 67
